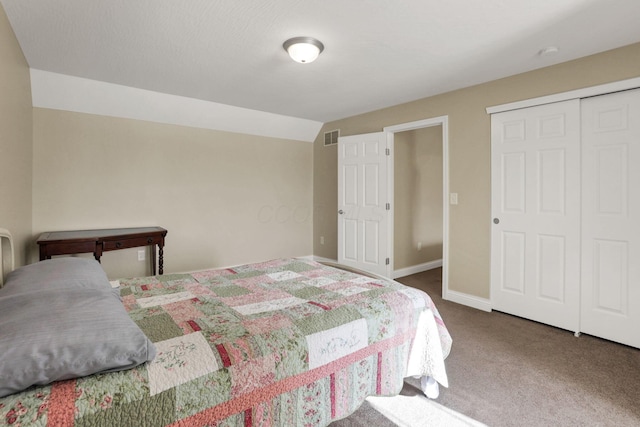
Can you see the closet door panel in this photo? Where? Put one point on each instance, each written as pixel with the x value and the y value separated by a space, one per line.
pixel 610 306
pixel 535 242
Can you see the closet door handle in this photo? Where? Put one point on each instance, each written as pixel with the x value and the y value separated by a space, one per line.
pixel 496 220
pixel 340 211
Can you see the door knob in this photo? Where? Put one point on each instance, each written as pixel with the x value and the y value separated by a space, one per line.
pixel 496 221
pixel 340 211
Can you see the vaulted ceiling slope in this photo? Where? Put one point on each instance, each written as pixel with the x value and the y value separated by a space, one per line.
pixel 377 53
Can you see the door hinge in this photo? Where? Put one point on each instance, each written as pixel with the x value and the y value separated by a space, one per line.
pixel 387 261
pixel 388 151
pixel 388 206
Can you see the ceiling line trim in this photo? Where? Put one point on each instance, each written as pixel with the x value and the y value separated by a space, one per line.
pixel 69 93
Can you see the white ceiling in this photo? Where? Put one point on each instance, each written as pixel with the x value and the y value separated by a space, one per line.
pixel 377 53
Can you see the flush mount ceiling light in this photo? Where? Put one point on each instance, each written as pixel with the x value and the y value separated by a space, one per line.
pixel 303 49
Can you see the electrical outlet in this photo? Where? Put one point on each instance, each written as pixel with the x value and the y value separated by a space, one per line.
pixel 141 255
pixel 419 246
pixel 322 240
pixel 453 198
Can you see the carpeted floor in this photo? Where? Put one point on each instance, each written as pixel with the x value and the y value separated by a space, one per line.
pixel 508 371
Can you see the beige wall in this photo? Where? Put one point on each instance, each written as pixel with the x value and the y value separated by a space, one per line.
pixel 417 197
pixel 228 198
pixel 469 154
pixel 225 198
pixel 15 141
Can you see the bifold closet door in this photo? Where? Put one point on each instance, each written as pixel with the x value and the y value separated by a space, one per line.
pixel 610 305
pixel 535 238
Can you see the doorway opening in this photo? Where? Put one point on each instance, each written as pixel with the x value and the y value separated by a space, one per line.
pixel 410 251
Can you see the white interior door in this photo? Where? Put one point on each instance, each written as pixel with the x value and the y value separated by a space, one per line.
pixel 363 213
pixel 611 217
pixel 535 238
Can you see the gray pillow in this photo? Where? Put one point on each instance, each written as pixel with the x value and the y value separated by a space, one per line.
pixel 57 273
pixel 57 334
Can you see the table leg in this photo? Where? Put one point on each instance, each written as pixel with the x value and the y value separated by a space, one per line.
pixel 153 260
pixel 97 253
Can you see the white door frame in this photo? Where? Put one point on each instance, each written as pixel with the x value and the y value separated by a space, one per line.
pixel 419 124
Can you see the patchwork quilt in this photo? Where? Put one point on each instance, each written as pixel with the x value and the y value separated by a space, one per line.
pixel 282 343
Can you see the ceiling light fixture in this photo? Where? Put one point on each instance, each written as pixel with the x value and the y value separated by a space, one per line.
pixel 303 49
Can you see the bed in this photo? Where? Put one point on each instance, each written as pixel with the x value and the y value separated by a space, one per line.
pixel 288 342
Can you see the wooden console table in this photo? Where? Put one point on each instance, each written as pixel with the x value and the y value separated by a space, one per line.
pixel 98 241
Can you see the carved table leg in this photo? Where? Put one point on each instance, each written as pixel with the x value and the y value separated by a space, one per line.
pixel 160 260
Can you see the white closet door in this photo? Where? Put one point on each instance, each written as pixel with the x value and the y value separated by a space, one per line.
pixel 535 238
pixel 611 217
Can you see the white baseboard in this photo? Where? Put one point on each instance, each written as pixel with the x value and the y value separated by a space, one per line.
pixel 417 268
pixel 397 273
pixel 468 300
pixel 453 296
pixel 322 259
